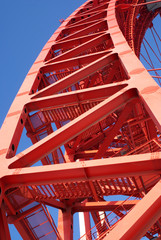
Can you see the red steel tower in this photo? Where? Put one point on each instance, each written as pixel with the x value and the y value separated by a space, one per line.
pixel 92 112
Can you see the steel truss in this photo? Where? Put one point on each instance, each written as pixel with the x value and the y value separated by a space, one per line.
pixel 91 111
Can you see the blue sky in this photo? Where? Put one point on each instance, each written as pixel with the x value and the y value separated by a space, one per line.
pixel 26 25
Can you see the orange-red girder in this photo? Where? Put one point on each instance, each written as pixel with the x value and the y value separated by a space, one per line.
pixel 85 51
pixel 103 206
pixel 4 230
pixel 145 164
pixel 73 128
pixel 141 217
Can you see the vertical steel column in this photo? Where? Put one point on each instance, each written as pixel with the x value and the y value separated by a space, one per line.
pixel 67 218
pixel 4 230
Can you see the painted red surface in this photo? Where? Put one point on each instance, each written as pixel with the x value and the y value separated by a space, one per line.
pixel 89 82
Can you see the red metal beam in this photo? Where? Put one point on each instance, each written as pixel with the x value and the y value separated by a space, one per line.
pixel 66 224
pixel 127 166
pixel 12 219
pixel 73 128
pixel 98 169
pixel 91 153
pixel 139 220
pixel 52 203
pixel 75 97
pixel 95 3
pixel 24 231
pixel 149 90
pixel 103 206
pixel 83 47
pixel 75 61
pixel 108 139
pixel 87 30
pixel 74 42
pixel 90 17
pixel 76 76
pixel 4 230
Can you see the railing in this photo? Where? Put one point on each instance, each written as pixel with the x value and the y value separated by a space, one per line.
pixel 107 223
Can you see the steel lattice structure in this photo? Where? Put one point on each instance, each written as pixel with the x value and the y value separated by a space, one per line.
pixel 91 111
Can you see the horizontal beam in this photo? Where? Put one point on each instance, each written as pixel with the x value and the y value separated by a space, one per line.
pixel 127 166
pixel 104 206
pixel 53 203
pixel 91 153
pixel 75 97
pixel 72 62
